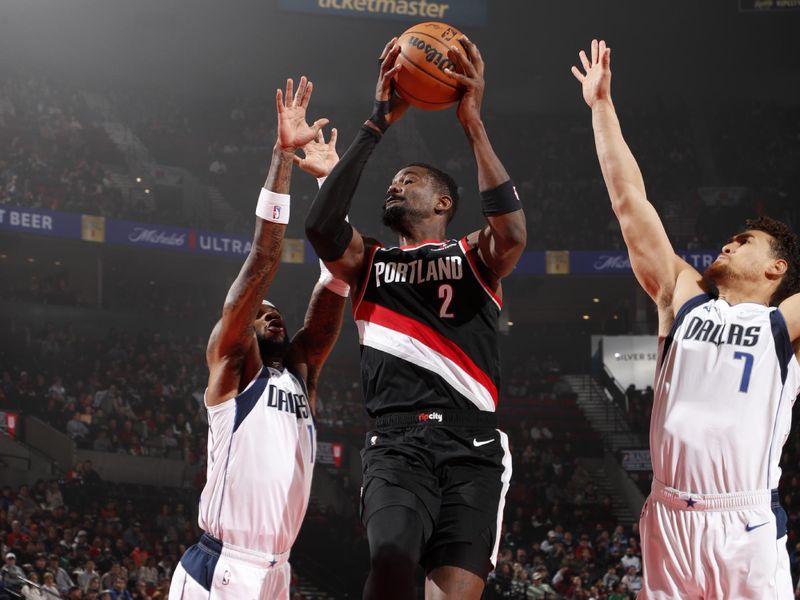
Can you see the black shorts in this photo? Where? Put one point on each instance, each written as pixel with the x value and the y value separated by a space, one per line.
pixel 452 468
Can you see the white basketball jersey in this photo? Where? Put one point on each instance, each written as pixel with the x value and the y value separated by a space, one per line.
pixel 261 447
pixel 726 382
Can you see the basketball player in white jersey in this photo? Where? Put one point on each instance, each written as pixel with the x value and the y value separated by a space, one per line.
pixel 727 377
pixel 261 397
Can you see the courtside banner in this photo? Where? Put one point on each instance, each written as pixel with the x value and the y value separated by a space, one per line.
pixel 40 221
pixel 472 13
pixel 616 262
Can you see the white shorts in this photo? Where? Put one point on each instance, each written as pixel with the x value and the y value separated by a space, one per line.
pixel 714 546
pixel 211 570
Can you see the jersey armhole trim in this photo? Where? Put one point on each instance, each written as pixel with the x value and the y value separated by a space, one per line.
pixel 684 310
pixel 220 405
pixel 365 281
pixel 462 244
pixel 783 345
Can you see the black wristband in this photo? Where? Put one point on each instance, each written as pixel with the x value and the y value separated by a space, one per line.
pixel 500 200
pixel 378 117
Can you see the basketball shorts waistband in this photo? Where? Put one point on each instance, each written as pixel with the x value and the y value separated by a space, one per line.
pixel 214 547
pixel 448 418
pixel 713 502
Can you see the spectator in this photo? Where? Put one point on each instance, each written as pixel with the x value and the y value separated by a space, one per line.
pixel 31 591
pixel 119 591
pixel 632 581
pixel 631 560
pixel 11 573
pixel 49 586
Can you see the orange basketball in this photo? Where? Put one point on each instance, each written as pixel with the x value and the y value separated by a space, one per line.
pixel 423 53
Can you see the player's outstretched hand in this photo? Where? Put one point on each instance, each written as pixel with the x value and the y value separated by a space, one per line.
pixel 596 76
pixel 293 131
pixel 319 156
pixel 468 72
pixel 389 107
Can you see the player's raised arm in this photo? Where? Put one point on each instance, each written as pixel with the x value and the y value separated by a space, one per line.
pixel 311 345
pixel 653 259
pixel 503 240
pixel 334 240
pixel 232 354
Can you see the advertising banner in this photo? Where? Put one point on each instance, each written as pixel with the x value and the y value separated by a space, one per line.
pixel 636 460
pixel 330 453
pixel 616 262
pixel 455 12
pixel 147 235
pixel 768 5
pixel 631 359
pixel 40 221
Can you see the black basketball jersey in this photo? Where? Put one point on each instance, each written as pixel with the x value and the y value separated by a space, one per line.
pixel 427 325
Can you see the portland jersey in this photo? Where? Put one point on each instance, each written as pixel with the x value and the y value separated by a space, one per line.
pixel 261 447
pixel 726 382
pixel 427 325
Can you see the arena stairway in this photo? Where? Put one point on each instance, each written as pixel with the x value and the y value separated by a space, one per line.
pixel 622 510
pixel 604 415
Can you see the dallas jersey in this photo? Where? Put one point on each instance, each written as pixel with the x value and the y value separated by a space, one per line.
pixel 427 325
pixel 261 447
pixel 726 382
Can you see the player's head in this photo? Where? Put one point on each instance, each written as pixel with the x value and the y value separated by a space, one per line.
pixel 766 253
pixel 273 339
pixel 418 193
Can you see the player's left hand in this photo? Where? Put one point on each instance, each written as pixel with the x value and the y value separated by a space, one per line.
pixel 468 72
pixel 293 131
pixel 319 156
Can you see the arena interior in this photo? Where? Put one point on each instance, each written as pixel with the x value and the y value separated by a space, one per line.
pixel 133 141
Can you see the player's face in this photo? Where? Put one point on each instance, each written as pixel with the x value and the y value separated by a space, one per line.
pixel 273 340
pixel 409 199
pixel 747 256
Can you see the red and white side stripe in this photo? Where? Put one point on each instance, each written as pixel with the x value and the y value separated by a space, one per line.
pixel 408 339
pixel 505 479
pixel 471 262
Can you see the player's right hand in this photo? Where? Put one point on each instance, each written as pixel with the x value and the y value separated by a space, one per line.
pixel 384 91
pixel 293 131
pixel 596 80
pixel 319 156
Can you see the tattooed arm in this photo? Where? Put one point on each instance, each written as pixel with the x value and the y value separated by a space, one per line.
pixel 232 354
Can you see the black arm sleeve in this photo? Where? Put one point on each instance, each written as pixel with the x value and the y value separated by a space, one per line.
pixel 326 227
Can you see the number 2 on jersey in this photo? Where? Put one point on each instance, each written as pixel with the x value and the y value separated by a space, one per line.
pixel 748 366
pixel 446 295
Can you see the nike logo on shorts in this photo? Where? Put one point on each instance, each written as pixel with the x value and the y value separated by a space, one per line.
pixel 750 528
pixel 476 443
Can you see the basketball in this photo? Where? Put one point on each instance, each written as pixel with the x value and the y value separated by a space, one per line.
pixel 422 81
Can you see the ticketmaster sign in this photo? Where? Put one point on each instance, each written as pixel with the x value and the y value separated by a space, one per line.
pixel 457 12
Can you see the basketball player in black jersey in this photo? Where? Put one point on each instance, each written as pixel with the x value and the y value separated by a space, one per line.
pixel 436 469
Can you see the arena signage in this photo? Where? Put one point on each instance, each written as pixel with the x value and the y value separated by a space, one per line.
pixel 40 222
pixel 457 12
pixel 617 262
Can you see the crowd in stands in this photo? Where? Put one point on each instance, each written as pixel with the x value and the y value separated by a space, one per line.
pixel 55 154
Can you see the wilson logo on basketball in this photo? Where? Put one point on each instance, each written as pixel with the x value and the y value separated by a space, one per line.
pixel 432 55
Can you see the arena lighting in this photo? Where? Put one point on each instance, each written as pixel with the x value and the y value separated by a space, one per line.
pixel 511 323
pixel 31 259
pixel 616 317
pixel 3 256
pixel 146 190
pixel 138 180
pixel 596 300
pixel 57 263
pixel 585 317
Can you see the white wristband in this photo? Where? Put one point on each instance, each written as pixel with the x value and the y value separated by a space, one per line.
pixel 337 286
pixel 273 206
pixel 321 180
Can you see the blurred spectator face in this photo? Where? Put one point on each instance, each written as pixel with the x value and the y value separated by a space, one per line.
pixel 119 584
pixel 48 578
